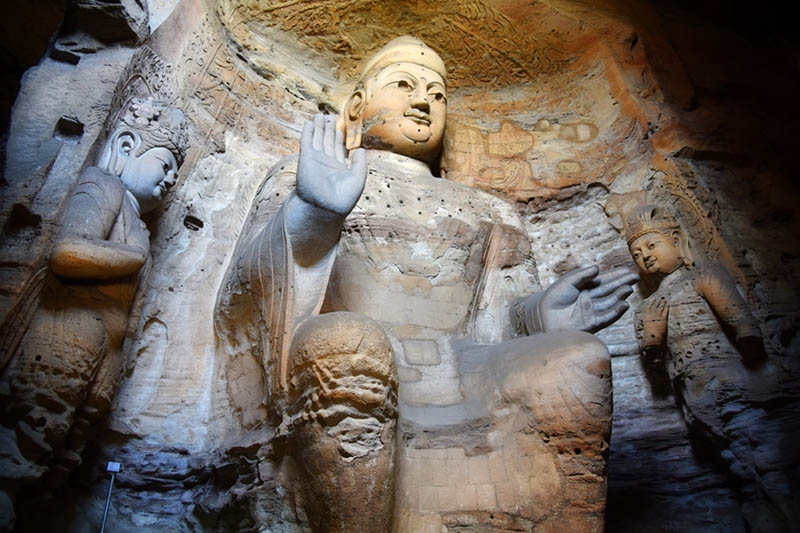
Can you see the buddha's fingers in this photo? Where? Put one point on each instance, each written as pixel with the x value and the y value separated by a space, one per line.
pixel 611 280
pixel 579 277
pixel 607 302
pixel 606 318
pixel 329 136
pixel 358 163
pixel 339 141
pixel 306 138
pixel 319 131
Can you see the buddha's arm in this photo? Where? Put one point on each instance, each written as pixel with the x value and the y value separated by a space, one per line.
pixel 81 258
pixel 327 190
pixel 312 230
pixel 719 290
pixel 81 250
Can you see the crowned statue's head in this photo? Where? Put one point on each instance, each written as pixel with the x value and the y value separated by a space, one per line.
pixel 145 149
pixel 656 241
pixel 400 102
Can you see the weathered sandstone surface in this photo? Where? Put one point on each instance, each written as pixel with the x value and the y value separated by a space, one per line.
pixel 569 112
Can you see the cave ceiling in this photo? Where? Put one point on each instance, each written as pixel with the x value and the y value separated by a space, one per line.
pixel 499 43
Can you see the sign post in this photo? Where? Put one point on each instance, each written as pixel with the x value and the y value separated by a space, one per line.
pixel 113 468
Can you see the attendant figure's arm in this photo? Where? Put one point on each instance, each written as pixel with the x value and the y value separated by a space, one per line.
pixel 651 328
pixel 719 290
pixel 582 300
pixel 82 250
pixel 326 192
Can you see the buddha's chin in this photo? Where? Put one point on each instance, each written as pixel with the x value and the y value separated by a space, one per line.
pixel 417 133
pixel 422 151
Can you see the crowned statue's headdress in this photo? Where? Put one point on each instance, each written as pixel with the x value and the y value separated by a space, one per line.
pixel 649 219
pixel 159 124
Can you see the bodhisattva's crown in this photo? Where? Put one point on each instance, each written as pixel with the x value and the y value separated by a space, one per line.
pixel 649 219
pixel 159 124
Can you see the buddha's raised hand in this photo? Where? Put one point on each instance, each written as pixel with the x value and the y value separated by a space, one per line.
pixel 323 177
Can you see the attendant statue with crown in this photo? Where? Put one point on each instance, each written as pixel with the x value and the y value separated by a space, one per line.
pixel 697 330
pixel 62 375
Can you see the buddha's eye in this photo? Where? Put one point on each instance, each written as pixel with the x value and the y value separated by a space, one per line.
pixel 651 246
pixel 403 84
pixel 165 166
pixel 636 255
pixel 439 97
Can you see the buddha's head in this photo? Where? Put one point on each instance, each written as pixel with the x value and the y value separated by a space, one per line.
pixel 400 102
pixel 656 241
pixel 146 148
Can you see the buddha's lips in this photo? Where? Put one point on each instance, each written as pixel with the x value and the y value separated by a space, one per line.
pixel 418 116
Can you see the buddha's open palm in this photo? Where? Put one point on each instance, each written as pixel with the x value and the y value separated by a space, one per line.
pixel 585 299
pixel 323 177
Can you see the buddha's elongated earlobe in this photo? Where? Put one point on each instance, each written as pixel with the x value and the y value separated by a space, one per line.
pixel 353 122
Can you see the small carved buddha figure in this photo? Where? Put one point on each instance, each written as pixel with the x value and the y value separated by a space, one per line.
pixel 346 273
pixel 63 374
pixel 698 326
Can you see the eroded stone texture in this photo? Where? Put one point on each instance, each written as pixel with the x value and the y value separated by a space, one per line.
pixel 723 383
pixel 674 100
pixel 62 365
pixel 109 21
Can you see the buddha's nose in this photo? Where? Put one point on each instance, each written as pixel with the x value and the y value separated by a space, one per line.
pixel 419 99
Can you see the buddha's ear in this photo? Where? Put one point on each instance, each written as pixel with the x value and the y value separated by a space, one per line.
pixel 118 151
pixel 681 241
pixel 352 119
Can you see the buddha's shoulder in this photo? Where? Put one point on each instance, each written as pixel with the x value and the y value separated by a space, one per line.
pixel 101 177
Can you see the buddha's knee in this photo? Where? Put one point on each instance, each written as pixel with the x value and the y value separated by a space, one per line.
pixel 340 416
pixel 564 378
pixel 342 375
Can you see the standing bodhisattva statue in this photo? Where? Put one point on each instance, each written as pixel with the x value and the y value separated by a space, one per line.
pixel 350 277
pixel 63 375
pixel 698 329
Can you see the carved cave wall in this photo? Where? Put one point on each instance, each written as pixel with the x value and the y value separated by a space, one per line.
pixel 568 108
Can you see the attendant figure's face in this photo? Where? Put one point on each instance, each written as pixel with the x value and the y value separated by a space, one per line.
pixel 149 175
pixel 656 253
pixel 405 111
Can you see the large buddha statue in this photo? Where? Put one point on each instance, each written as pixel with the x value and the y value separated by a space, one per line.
pixel 391 321
pixel 62 375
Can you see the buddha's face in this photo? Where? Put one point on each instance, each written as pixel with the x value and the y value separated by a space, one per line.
pixel 405 111
pixel 149 175
pixel 656 253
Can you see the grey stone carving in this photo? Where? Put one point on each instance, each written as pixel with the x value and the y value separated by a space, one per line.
pixel 63 366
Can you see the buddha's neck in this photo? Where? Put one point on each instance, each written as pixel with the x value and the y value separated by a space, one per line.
pixel 376 157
